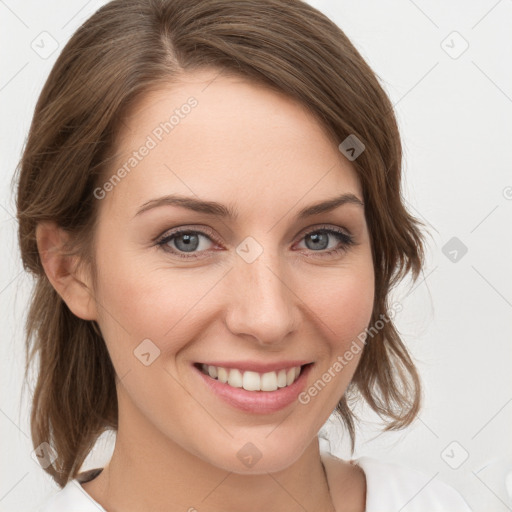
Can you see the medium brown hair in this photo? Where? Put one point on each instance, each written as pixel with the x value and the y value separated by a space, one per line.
pixel 128 47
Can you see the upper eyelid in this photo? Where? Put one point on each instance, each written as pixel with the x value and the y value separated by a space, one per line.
pixel 205 231
pixel 202 230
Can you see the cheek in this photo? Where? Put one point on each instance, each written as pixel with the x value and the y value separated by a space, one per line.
pixel 140 299
pixel 349 311
pixel 343 304
pixel 140 302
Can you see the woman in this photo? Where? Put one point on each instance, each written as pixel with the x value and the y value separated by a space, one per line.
pixel 184 162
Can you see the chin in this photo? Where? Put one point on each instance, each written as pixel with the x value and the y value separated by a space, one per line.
pixel 259 454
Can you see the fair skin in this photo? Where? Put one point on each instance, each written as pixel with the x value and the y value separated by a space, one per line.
pixel 178 442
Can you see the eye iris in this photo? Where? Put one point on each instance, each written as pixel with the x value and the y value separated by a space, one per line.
pixel 191 242
pixel 316 237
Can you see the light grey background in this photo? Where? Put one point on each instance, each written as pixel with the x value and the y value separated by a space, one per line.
pixel 454 106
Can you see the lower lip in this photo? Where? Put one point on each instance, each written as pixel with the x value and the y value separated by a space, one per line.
pixel 259 402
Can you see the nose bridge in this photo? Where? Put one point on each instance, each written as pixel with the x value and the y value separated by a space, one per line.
pixel 263 304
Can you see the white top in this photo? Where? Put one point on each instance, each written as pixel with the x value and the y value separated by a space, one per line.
pixel 389 488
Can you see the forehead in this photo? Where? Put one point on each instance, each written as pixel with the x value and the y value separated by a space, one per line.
pixel 223 137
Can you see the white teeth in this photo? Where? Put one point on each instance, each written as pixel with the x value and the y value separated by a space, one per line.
pixel 269 381
pixel 281 379
pixel 222 374
pixel 290 376
pixel 253 381
pixel 235 378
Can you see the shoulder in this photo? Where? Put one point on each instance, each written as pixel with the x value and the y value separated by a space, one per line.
pixel 391 487
pixel 71 497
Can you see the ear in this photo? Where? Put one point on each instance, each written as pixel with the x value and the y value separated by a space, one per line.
pixel 74 286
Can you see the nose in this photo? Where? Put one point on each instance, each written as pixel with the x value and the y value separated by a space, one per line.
pixel 262 303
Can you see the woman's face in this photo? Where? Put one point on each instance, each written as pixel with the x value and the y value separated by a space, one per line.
pixel 256 292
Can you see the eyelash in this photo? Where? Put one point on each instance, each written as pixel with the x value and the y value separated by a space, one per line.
pixel 345 239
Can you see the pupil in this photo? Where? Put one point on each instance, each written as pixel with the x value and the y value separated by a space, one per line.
pixel 318 238
pixel 190 242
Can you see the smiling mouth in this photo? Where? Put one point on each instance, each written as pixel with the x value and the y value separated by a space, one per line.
pixel 250 380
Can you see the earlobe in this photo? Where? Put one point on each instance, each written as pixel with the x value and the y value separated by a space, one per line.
pixel 62 271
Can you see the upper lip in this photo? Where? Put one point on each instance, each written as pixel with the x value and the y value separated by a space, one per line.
pixel 253 366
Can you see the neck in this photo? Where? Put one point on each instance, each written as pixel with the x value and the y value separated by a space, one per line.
pixel 136 481
pixel 157 474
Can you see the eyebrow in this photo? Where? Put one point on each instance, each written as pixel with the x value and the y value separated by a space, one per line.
pixel 226 211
